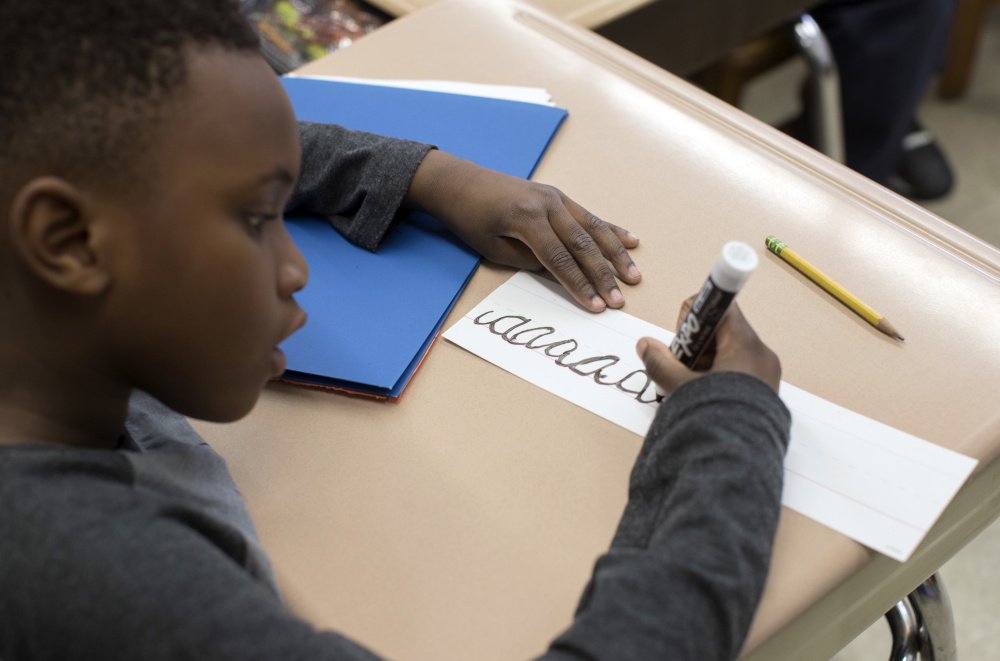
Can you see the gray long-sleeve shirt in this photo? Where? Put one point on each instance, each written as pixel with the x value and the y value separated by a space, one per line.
pixel 147 552
pixel 360 185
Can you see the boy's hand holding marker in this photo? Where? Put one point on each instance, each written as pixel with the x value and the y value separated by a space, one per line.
pixel 712 333
pixel 735 348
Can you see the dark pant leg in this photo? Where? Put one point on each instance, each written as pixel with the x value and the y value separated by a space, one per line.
pixel 886 53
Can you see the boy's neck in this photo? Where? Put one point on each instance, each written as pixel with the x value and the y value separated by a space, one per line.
pixel 57 401
pixel 54 387
pixel 41 423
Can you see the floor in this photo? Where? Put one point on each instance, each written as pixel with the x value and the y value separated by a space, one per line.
pixel 969 131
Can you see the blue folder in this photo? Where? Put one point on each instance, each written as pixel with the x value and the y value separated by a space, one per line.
pixel 374 316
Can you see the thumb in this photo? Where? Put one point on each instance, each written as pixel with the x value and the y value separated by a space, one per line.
pixel 662 366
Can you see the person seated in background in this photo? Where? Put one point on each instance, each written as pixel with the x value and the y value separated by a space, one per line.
pixel 887 52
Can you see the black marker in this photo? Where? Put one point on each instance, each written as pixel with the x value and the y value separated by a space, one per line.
pixel 736 261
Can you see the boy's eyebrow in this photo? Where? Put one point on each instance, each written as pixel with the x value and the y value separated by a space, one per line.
pixel 281 174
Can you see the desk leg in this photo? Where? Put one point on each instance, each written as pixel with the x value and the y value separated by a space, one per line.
pixel 922 626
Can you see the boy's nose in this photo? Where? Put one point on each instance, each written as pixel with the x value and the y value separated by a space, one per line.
pixel 293 277
pixel 293 271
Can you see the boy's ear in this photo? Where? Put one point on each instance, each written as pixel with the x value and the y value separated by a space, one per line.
pixel 52 230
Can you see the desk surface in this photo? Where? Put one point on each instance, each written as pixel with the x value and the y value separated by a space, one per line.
pixel 588 13
pixel 677 35
pixel 467 517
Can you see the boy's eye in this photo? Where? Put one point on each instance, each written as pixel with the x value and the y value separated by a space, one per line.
pixel 255 221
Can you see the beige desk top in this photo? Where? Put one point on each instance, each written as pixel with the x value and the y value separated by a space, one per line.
pixel 463 522
pixel 587 13
pixel 678 35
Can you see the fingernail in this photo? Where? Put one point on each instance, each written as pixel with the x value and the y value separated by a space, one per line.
pixel 616 297
pixel 598 302
pixel 633 272
pixel 640 348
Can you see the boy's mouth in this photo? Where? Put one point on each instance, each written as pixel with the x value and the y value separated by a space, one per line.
pixel 280 362
pixel 298 321
pixel 277 355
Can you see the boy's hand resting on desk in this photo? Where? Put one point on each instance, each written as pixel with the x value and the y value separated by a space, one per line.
pixel 735 348
pixel 518 223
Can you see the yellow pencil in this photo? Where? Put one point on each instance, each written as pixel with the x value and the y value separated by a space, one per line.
pixel 824 281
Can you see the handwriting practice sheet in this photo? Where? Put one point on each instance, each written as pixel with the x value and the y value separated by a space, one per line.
pixel 876 484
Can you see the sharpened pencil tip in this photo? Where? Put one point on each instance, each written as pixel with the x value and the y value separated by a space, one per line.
pixel 890 330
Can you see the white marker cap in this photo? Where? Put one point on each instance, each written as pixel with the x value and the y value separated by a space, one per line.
pixel 736 262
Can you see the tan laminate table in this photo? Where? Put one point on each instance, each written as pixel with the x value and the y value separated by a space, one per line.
pixel 678 35
pixel 587 13
pixel 462 522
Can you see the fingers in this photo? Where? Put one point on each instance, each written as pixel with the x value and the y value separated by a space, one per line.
pixel 613 242
pixel 553 254
pixel 580 252
pixel 661 365
pixel 628 239
pixel 735 347
pixel 738 348
pixel 734 335
pixel 734 326
pixel 590 246
pixel 585 254
pixel 685 308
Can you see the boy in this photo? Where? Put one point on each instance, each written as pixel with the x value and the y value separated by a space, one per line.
pixel 147 156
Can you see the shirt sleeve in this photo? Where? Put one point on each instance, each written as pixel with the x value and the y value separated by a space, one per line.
pixel 688 562
pixel 356 180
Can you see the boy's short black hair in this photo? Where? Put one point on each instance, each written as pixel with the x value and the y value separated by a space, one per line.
pixel 81 83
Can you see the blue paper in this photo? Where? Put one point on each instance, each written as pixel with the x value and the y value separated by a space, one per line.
pixel 509 136
pixel 373 316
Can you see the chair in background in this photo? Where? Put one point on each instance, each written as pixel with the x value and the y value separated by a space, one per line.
pixel 970 17
pixel 726 77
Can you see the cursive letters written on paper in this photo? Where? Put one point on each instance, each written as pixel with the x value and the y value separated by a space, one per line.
pixel 519 331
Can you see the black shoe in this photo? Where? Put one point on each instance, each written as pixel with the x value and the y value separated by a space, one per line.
pixel 923 172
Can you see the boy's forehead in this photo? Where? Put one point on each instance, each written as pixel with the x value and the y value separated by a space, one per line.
pixel 236 88
pixel 233 109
